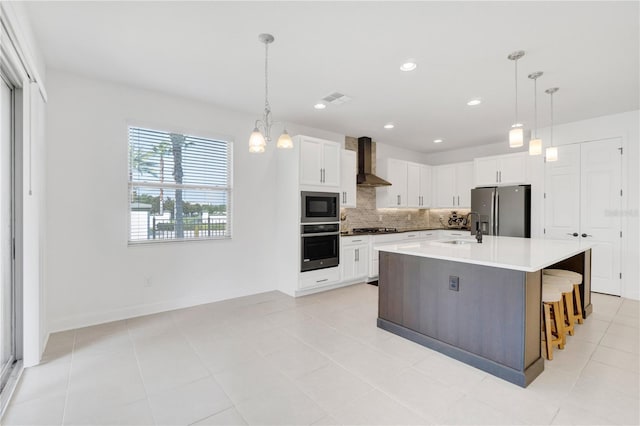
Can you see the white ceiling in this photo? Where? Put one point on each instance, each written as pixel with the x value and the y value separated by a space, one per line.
pixel 210 51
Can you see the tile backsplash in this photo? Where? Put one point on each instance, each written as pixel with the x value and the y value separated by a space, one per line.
pixel 365 215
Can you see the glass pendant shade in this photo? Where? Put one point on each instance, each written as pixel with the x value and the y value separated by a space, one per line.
pixel 552 154
pixel 516 136
pixel 535 147
pixel 256 141
pixel 285 141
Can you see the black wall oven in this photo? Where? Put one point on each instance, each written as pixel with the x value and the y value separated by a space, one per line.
pixel 320 245
pixel 319 207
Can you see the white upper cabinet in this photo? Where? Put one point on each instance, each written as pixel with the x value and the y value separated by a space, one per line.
pixel 507 169
pixel 418 185
pixel 319 162
pixel 452 185
pixel 464 184
pixel 331 163
pixel 410 185
pixel 348 174
pixel 397 176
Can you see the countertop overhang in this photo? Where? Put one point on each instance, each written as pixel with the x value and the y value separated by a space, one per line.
pixel 520 254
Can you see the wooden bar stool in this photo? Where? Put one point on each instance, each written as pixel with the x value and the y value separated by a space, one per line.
pixel 564 286
pixel 576 280
pixel 551 300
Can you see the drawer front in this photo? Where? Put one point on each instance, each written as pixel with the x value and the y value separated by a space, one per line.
pixel 456 233
pixel 430 235
pixel 319 277
pixel 351 240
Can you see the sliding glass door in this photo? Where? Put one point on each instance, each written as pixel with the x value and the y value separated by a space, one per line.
pixel 7 294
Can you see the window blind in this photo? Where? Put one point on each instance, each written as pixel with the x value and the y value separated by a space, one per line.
pixel 179 186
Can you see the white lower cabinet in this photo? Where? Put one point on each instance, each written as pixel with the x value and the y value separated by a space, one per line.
pixel 354 258
pixel 319 278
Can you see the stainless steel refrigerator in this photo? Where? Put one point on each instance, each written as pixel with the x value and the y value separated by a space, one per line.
pixel 502 210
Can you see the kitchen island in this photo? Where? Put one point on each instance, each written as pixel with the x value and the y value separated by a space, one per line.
pixel 477 303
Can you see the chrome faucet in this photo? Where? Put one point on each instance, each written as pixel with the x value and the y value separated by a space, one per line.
pixel 478 230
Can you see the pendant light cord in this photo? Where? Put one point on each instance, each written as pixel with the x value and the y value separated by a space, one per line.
pixel 516 80
pixel 551 119
pixel 266 77
pixel 535 106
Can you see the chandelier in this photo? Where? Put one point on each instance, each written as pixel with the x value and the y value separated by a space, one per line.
pixel 262 130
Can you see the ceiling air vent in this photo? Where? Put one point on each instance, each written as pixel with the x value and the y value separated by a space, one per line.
pixel 336 98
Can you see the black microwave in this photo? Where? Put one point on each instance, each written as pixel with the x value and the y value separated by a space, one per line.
pixel 319 207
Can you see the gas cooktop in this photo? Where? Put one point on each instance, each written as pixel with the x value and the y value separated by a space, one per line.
pixel 374 230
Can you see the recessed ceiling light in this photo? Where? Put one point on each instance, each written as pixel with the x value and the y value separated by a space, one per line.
pixel 409 65
pixel 389 126
pixel 319 105
pixel 438 141
pixel 474 102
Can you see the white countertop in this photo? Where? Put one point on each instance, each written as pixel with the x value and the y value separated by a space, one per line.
pixel 520 254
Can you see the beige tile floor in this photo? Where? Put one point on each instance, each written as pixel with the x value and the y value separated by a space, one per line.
pixel 272 359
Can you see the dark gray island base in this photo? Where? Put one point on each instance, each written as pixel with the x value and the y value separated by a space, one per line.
pixel 492 321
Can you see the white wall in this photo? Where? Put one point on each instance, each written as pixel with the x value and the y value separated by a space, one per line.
pixel 384 151
pixel 92 274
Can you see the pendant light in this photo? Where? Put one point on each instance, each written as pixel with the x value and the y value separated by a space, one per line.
pixel 516 134
pixel 258 139
pixel 552 151
pixel 535 144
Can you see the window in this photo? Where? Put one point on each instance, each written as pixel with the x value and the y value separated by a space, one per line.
pixel 179 187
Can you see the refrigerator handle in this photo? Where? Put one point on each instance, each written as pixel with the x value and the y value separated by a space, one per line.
pixel 492 220
pixel 497 223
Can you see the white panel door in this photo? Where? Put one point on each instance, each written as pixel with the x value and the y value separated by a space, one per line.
pixel 331 164
pixel 562 199
pixel 310 162
pixel 413 185
pixel 600 164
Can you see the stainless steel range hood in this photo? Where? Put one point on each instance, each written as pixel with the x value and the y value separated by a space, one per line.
pixel 365 177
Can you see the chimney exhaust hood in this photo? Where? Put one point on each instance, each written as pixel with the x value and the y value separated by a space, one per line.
pixel 365 177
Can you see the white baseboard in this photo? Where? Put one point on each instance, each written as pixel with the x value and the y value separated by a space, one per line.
pixel 325 288
pixel 94 318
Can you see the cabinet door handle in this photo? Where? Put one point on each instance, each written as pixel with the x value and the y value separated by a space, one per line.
pixel 357 255
pixel 356 241
pixel 321 281
pixel 575 234
pixel 458 201
pixel 497 177
pixel 500 174
pixel 398 200
pixel 453 200
pixel 586 235
pixel 320 175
